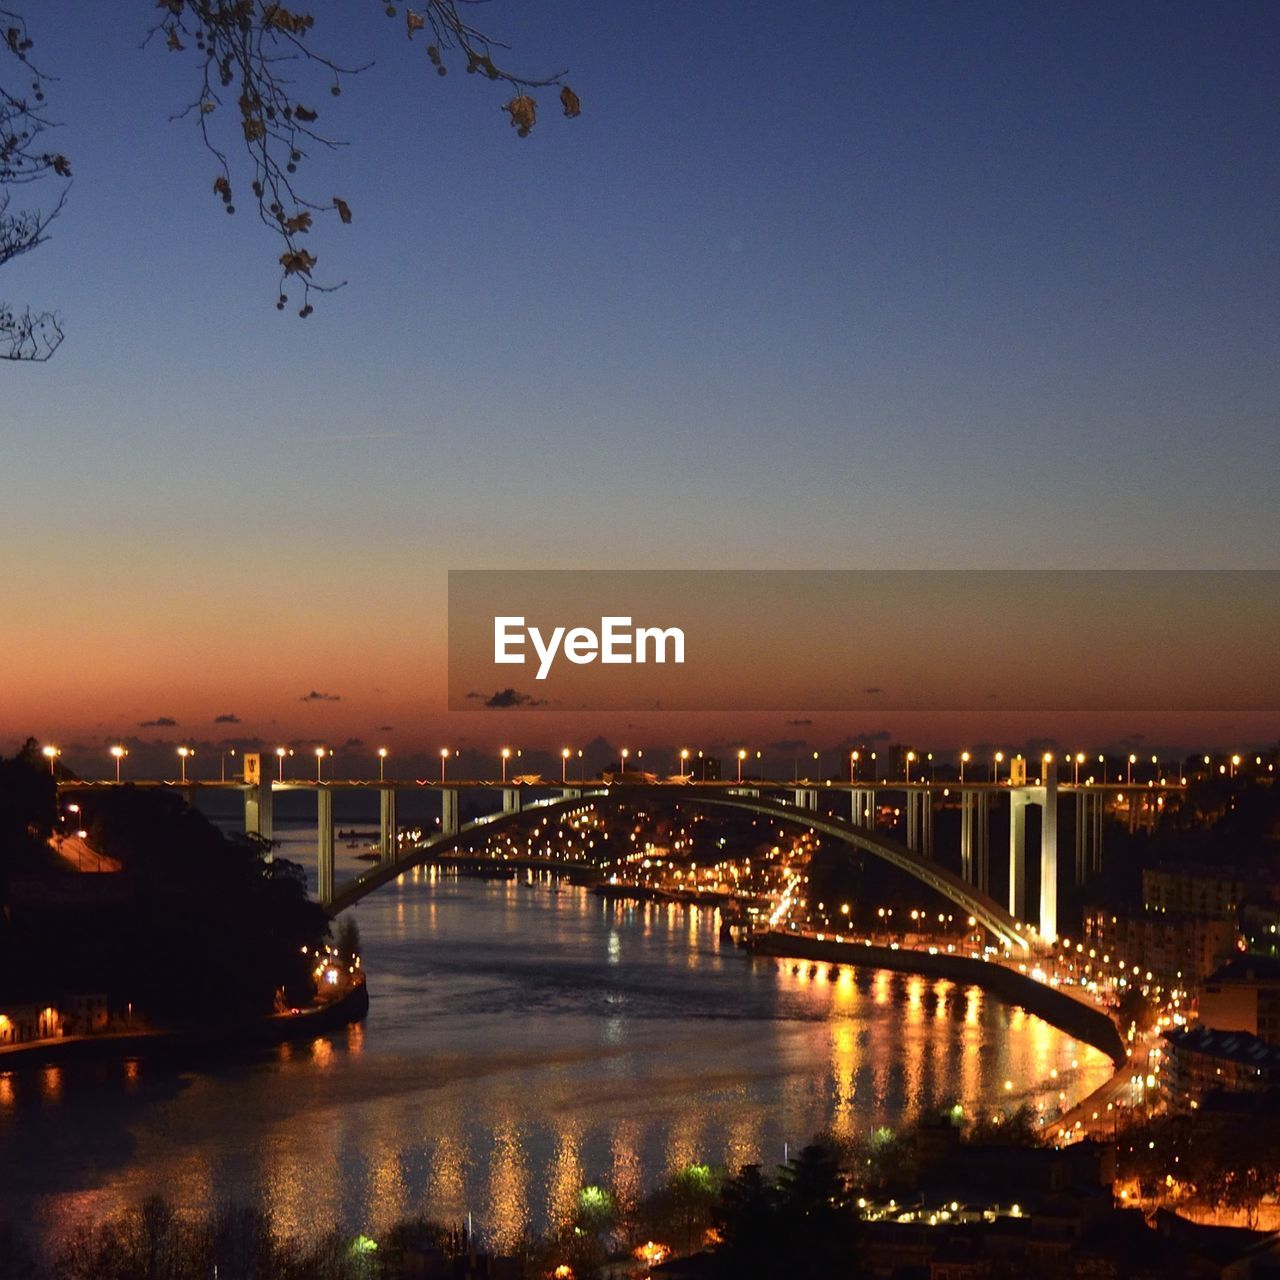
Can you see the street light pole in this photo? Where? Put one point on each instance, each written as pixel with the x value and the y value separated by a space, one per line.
pixel 119 753
pixel 382 764
pixel 183 753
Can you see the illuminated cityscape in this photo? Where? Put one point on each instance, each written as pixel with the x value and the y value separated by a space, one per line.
pixel 639 641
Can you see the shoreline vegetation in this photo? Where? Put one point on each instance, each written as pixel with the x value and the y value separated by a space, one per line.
pixel 173 934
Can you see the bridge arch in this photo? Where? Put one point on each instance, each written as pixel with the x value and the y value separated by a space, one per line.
pixel 989 913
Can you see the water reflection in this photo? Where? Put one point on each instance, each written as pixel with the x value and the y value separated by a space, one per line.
pixel 521 1043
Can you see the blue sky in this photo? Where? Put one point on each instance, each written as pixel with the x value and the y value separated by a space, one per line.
pixel 834 284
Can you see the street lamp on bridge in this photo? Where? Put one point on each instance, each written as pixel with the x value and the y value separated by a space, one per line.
pixel 382 763
pixel 119 754
pixel 911 755
pixel 222 771
pixel 183 753
pixel 506 755
pixel 964 760
pixel 565 753
pixel 321 752
pixel 444 755
pixel 684 759
pixel 853 764
pixel 50 754
pixel 742 755
pixel 996 762
pixel 281 752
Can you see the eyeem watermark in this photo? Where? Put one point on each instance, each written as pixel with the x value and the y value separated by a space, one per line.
pixel 867 641
pixel 616 642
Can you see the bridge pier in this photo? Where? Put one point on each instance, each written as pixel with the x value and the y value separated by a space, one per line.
pixel 324 844
pixel 806 798
pixel 919 806
pixel 387 847
pixel 257 810
pixel 448 813
pixel 1089 809
pixel 862 807
pixel 1099 801
pixel 1049 854
pixel 510 800
pixel 1046 796
pixel 975 810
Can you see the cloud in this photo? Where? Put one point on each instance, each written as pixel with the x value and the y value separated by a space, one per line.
pixel 799 724
pixel 352 743
pixel 509 698
pixel 226 719
pixel 873 688
pixel 787 744
pixel 316 696
pixel 386 728
pixel 160 722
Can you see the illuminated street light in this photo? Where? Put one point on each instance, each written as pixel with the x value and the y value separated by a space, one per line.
pixel 506 755
pixel 119 753
pixel 742 755
pixel 684 759
pixel 1235 764
pixel 222 767
pixel 183 753
pixel 1128 772
pixel 853 764
pixel 964 760
pixel 50 754
pixel 321 752
pixel 995 766
pixel 817 765
pixel 382 763
pixel 911 755
pixel 565 753
pixel 444 755
pixel 281 752
pixel 1076 763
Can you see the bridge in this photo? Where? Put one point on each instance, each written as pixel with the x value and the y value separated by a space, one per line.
pixel 794 803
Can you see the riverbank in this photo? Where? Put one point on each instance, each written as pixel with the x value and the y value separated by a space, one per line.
pixel 278 1028
pixel 1079 1020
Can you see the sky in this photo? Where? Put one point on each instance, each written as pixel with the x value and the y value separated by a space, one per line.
pixel 836 285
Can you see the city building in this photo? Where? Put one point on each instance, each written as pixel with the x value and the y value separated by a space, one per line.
pixel 1193 891
pixel 1201 1061
pixel 1173 948
pixel 1243 995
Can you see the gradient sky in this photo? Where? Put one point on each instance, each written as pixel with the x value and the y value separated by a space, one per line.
pixel 835 284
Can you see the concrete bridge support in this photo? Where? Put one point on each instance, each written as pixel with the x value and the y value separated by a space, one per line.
pixel 387 847
pixel 862 807
pixel 975 815
pixel 510 800
pixel 324 844
pixel 806 798
pixel 1089 808
pixel 1046 796
pixel 448 813
pixel 257 810
pixel 919 806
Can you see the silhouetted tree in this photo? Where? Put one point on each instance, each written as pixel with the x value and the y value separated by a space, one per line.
pixel 261 77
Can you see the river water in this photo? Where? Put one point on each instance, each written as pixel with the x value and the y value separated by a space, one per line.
pixel 525 1038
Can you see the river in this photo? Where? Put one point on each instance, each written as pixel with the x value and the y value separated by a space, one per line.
pixel 525 1038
